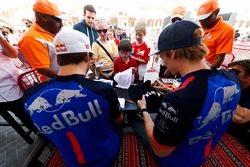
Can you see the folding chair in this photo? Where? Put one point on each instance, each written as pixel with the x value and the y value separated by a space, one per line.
pixel 28 79
pixel 25 81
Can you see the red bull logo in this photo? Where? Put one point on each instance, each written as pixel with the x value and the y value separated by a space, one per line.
pixel 87 46
pixel 61 47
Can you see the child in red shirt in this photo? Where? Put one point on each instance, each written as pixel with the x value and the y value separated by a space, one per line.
pixel 140 48
pixel 124 62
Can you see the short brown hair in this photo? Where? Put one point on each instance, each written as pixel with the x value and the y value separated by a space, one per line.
pixel 125 45
pixel 196 52
pixel 245 64
pixel 89 8
pixel 71 58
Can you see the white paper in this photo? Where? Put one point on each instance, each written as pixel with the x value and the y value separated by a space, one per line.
pixel 122 102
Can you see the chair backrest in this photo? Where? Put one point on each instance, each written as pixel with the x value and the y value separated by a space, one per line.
pixel 229 58
pixel 28 79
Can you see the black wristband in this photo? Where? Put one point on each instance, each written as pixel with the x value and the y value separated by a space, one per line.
pixel 143 110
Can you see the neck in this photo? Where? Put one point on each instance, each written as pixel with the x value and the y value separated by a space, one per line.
pixel 215 22
pixel 192 66
pixel 125 59
pixel 102 40
pixel 71 69
pixel 139 42
pixel 43 26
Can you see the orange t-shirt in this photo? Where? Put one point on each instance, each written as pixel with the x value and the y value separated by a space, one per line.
pixel 36 45
pixel 219 40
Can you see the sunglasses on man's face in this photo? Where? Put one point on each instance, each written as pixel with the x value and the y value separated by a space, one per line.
pixel 103 30
pixel 56 19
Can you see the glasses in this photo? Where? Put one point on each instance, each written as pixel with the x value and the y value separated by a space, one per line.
pixel 103 30
pixel 56 19
pixel 235 71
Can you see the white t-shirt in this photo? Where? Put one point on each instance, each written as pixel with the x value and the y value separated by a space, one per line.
pixel 9 89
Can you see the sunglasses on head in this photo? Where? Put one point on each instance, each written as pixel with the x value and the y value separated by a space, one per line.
pixel 103 30
pixel 56 19
pixel 235 71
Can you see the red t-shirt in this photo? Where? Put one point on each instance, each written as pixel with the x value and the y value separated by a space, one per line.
pixel 120 66
pixel 141 51
pixel 117 41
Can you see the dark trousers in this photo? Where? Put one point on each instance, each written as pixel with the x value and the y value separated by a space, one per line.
pixel 17 107
pixel 137 123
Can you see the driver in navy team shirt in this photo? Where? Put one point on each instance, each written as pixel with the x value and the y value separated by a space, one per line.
pixel 193 117
pixel 78 115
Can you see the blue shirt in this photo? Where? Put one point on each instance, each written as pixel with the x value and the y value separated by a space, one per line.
pixel 90 32
pixel 193 118
pixel 77 116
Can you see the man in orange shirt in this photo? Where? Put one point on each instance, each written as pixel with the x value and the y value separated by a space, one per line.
pixel 218 36
pixel 37 43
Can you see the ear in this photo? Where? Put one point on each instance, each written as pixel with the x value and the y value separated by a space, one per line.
pixel 87 57
pixel 43 17
pixel 172 54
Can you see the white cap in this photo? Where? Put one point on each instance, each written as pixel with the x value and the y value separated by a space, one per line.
pixel 71 41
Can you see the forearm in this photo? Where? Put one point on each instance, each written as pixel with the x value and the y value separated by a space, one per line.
pixel 140 60
pixel 8 50
pixel 149 126
pixel 119 120
pixel 218 61
pixel 47 72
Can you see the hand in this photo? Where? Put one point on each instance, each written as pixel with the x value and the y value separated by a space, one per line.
pixel 109 75
pixel 158 85
pixel 134 70
pixel 242 115
pixel 142 103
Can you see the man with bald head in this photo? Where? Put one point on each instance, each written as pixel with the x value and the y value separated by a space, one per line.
pixel 37 43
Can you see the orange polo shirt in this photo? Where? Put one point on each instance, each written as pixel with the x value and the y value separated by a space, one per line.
pixel 219 40
pixel 36 45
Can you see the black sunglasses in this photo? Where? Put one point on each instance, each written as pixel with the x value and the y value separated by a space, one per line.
pixel 103 30
pixel 56 19
pixel 235 71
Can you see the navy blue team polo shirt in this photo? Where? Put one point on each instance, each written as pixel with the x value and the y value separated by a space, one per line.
pixel 77 116
pixel 193 118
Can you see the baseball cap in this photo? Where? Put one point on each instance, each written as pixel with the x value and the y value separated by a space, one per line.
pixel 49 8
pixel 206 9
pixel 71 41
pixel 177 35
pixel 178 11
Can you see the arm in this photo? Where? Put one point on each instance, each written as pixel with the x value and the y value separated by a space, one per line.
pixel 8 50
pixel 218 60
pixel 114 105
pixel 37 55
pixel 119 119
pixel 224 46
pixel 115 50
pixel 149 126
pixel 158 85
pixel 140 60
